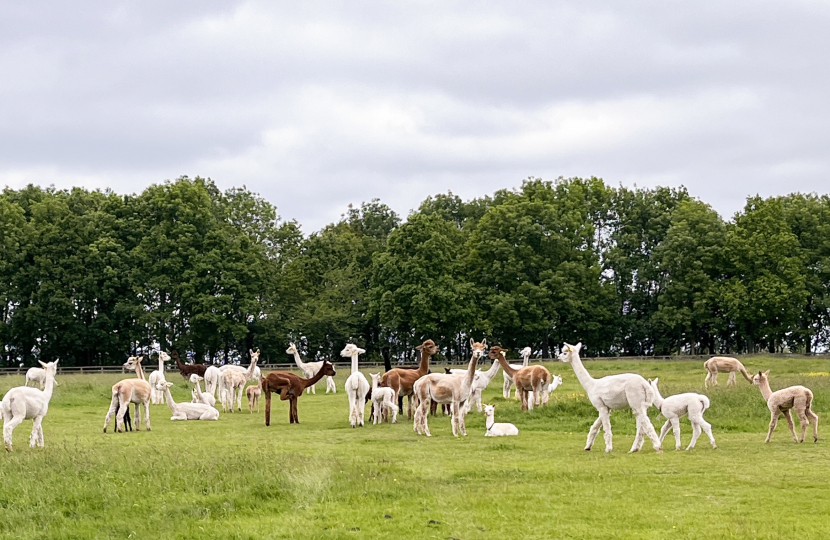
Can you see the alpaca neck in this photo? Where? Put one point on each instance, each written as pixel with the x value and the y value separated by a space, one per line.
pixel 374 383
pixel 251 368
pixel 658 399
pixel 471 371
pixel 582 374
pixel 48 386
pixel 313 380
pixel 298 360
pixel 488 423
pixel 423 367
pixel 139 372
pixel 161 364
pixel 354 362
pixel 168 397
pixel 525 360
pixel 766 391
pixel 490 373
pixel 506 367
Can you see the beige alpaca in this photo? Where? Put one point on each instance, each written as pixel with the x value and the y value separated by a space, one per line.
pixel 232 384
pixel 130 391
pixel 446 388
pixel 723 363
pixel 253 393
pixel 783 401
pixel 528 379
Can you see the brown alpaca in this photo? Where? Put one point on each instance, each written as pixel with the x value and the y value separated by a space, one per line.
pixel 188 370
pixel 290 387
pixel 783 402
pixel 723 363
pixel 401 380
pixel 130 391
pixel 527 379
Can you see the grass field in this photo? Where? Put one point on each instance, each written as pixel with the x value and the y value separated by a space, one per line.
pixel 235 478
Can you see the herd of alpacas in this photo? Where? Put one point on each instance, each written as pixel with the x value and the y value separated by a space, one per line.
pixel 456 390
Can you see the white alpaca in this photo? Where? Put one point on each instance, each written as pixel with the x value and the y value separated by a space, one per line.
pixel 480 382
pixel 23 402
pixel 310 369
pixel 624 391
pixel 156 377
pixel 36 375
pixel 356 386
pixel 508 380
pixel 497 429
pixel 677 406
pixel 186 411
pixel 232 384
pixel 383 401
pixel 555 383
pixel 212 375
pixel 253 375
pixel 198 395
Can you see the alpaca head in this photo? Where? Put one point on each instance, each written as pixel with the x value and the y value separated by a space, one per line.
pixel 569 351
pixel 163 385
pixel 375 379
pixel 496 352
pixel 254 355
pixel 50 367
pixel 555 383
pixel 164 357
pixel 328 367
pixel 429 347
pixel 292 349
pixel 653 383
pixel 350 350
pixel 195 378
pixel 526 352
pixel 489 411
pixel 133 361
pixel 761 378
pixel 478 348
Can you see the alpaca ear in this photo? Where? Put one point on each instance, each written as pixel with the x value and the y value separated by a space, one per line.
pixel 41 363
pixel 472 342
pixel 484 342
pixel 578 346
pixel 766 373
pixel 655 380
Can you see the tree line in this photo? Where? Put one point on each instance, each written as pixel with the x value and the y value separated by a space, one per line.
pixel 91 276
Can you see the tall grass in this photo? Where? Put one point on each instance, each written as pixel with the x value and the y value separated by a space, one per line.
pixel 235 478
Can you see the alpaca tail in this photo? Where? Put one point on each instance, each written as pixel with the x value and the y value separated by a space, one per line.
pixel 704 401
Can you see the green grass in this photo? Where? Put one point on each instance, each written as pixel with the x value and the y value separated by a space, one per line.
pixel 235 478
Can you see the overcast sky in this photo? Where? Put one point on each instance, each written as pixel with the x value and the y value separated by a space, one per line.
pixel 316 105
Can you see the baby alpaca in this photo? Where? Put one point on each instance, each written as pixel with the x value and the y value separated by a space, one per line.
pixel 198 395
pixel 253 393
pixel 494 429
pixel 186 411
pixel 783 401
pixel 675 407
pixel 383 401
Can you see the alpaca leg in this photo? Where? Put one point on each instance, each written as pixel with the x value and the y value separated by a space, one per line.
pixel 267 406
pixel 814 417
pixel 649 430
pixel 707 379
pixel 505 389
pixel 119 418
pixel 111 413
pixel 802 420
pixel 8 427
pixel 454 422
pixel 40 433
pixel 665 430
pixel 675 424
pixel 639 435
pixel 731 380
pixel 478 402
pixel 36 439
pixel 789 416
pixel 592 433
pixel 695 434
pixel 772 423
pixel 146 415
pixel 605 417
pixel 394 412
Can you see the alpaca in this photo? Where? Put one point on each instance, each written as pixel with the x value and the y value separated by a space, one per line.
pixel 157 396
pixel 200 397
pixel 402 380
pixel 531 381
pixel 37 375
pixel 508 380
pixel 480 382
pixel 253 392
pixel 310 369
pixel 212 374
pixel 783 401
pixel 356 386
pixel 494 429
pixel 444 388
pixel 23 402
pixel 232 385
pixel 677 406
pixel 290 387
pixel 252 375
pixel 128 422
pixel 383 401
pixel 186 370
pixel 186 411
pixel 555 383
pixel 129 391
pixel 723 363
pixel 624 391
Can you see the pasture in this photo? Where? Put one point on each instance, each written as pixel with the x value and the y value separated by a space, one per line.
pixel 235 478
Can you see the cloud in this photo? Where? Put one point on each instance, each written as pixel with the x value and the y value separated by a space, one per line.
pixel 321 104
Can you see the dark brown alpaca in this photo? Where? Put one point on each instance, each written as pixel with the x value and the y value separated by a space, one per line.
pixel 290 387
pixel 188 370
pixel 401 380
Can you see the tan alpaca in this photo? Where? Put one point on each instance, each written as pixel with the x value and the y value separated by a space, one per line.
pixel 253 393
pixel 402 380
pixel 130 391
pixel 723 363
pixel 447 388
pixel 783 401
pixel 527 379
pixel 232 384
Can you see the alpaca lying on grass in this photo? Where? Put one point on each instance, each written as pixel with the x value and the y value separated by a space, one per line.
pixel 497 429
pixel 23 402
pixel 186 411
pixel 679 405
pixel 783 402
pixel 198 395
pixel 383 401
